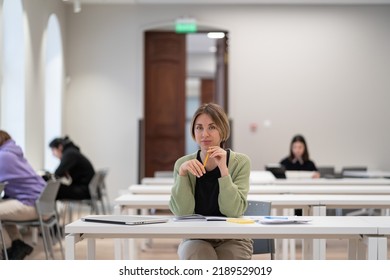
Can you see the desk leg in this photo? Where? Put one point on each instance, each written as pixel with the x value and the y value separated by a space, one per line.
pixel 129 245
pixel 281 244
pixel 70 246
pixel 319 245
pixel 353 249
pixel 291 242
pixel 382 248
pixel 91 248
pixel 145 243
pixel 118 210
pixel 376 247
pixel 372 247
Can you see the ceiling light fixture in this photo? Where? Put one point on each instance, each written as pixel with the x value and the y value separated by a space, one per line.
pixel 216 35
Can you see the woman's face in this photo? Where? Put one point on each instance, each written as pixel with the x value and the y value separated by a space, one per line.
pixel 206 132
pixel 298 148
pixel 57 152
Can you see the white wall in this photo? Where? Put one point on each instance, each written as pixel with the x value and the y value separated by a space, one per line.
pixel 318 70
pixel 36 14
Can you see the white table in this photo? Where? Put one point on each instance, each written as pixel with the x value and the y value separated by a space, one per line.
pixel 313 205
pixel 334 182
pixel 355 229
pixel 319 181
pixel 367 174
pixel 280 189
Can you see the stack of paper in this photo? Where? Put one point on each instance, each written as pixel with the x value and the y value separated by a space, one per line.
pixel 284 220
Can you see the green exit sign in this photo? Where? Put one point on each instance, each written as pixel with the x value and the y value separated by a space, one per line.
pixel 185 26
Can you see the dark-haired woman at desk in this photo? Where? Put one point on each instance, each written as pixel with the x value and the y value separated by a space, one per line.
pixel 74 166
pixel 299 159
pixel 212 182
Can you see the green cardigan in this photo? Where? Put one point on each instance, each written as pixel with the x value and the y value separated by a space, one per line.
pixel 233 189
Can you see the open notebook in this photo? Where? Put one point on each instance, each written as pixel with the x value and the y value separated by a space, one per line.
pixel 125 220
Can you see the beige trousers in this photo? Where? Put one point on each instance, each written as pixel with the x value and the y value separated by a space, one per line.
pixel 215 249
pixel 12 209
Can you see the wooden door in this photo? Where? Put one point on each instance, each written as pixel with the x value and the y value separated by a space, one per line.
pixel 165 74
pixel 207 91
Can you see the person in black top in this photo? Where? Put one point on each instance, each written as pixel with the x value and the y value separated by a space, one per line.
pixel 299 157
pixel 299 160
pixel 213 181
pixel 75 167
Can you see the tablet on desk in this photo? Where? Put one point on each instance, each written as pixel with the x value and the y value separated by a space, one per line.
pixel 124 220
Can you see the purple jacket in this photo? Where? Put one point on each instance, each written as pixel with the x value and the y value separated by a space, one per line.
pixel 24 184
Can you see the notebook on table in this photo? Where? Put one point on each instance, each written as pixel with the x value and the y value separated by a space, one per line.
pixel 125 220
pixel 295 174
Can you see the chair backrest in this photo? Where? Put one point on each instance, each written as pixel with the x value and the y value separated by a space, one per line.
pixel 261 208
pixel 326 171
pixel 258 208
pixel 352 168
pixel 103 172
pixel 163 174
pixel 46 203
pixel 2 186
pixel 94 185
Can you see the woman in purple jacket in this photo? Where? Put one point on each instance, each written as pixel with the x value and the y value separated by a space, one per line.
pixel 23 188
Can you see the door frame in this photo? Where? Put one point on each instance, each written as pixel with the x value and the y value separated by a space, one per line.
pixel 140 81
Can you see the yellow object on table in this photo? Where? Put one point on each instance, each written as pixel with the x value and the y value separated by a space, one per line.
pixel 240 221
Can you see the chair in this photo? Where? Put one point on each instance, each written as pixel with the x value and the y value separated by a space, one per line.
pixel 2 186
pixel 363 211
pixel 47 219
pixel 98 193
pixel 5 257
pixel 261 246
pixel 326 171
pixel 103 193
pixel 346 169
pixel 163 174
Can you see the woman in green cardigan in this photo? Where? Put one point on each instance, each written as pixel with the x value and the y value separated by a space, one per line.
pixel 212 182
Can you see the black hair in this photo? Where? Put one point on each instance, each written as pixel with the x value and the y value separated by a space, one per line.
pixel 56 142
pixel 299 138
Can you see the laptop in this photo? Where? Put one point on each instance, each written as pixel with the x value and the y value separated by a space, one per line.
pixel 295 174
pixel 277 170
pixel 125 219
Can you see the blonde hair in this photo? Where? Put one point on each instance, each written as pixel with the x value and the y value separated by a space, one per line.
pixel 4 137
pixel 219 117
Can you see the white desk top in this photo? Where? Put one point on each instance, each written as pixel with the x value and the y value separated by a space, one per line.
pixel 383 223
pixel 281 189
pixel 163 200
pixel 318 227
pixel 367 174
pixel 319 181
pixel 285 200
pixel 336 182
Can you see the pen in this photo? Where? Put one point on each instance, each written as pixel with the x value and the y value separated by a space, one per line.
pixel 276 218
pixel 206 159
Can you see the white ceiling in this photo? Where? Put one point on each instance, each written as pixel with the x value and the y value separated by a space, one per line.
pixel 239 2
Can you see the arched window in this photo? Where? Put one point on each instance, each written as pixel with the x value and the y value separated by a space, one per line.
pixel 53 88
pixel 13 83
